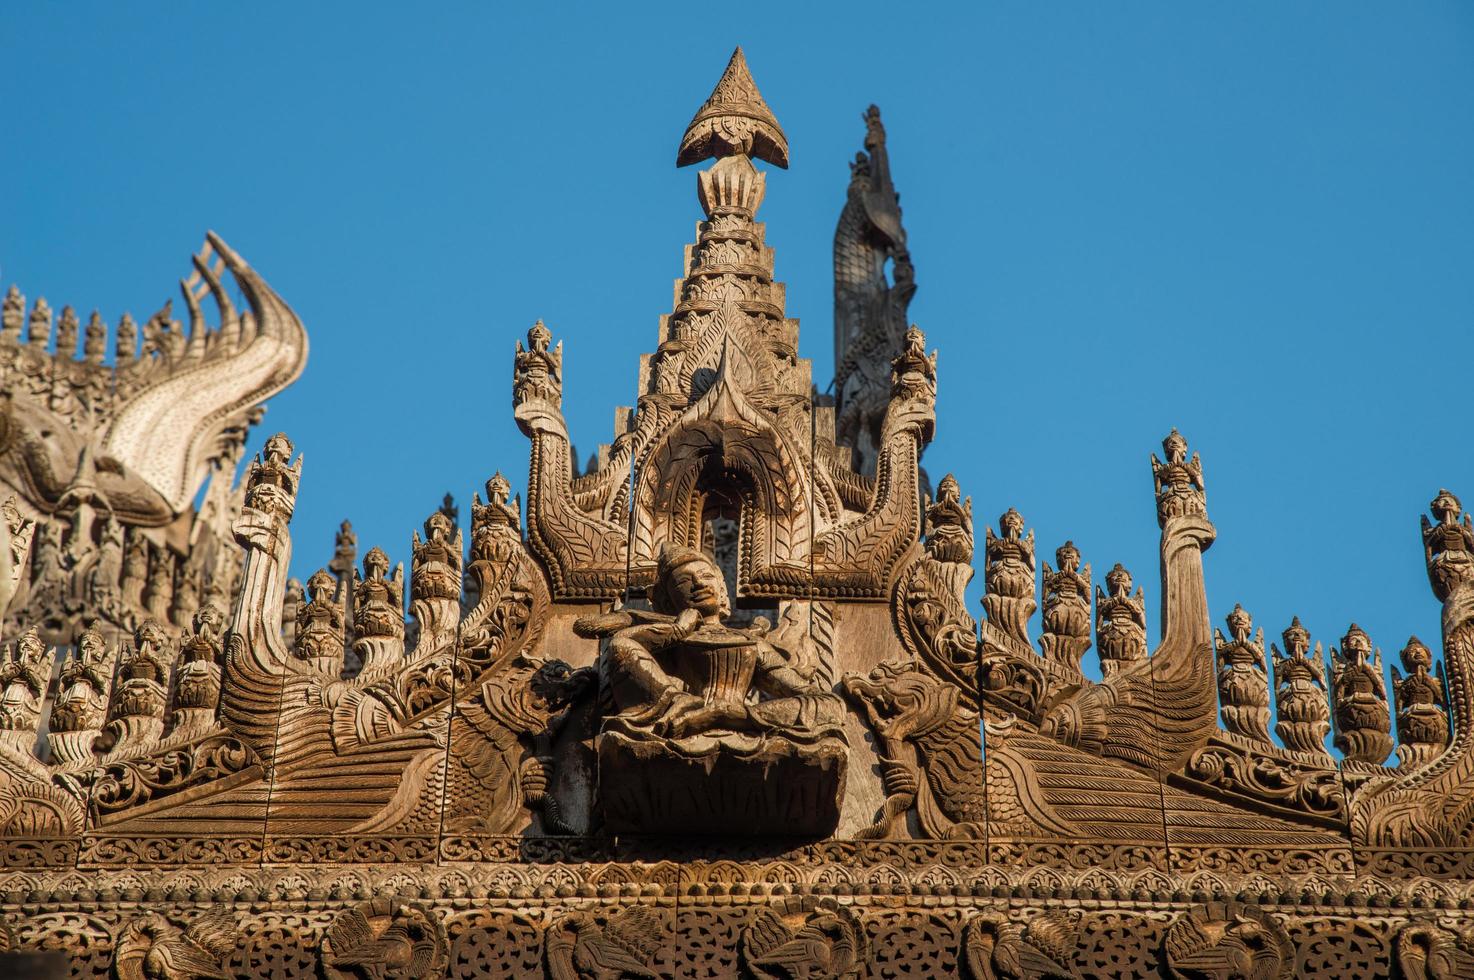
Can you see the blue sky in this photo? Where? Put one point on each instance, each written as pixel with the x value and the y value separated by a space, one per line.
pixel 1252 221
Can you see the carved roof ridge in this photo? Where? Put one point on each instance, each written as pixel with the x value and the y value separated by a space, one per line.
pixel 734 119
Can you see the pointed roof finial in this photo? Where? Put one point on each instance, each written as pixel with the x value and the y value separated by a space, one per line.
pixel 735 119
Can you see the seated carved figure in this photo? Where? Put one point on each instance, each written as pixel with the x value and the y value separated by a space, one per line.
pixel 727 710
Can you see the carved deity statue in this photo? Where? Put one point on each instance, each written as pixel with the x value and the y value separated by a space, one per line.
pixel 197 678
pixel 319 624
pixel 1448 545
pixel 435 576
pixel 140 692
pixel 1363 724
pixel 1422 707
pixel 1243 685
pixel 23 677
pixel 1120 623
pixel 949 524
pixel 81 700
pixel 696 694
pixel 1179 481
pixel 1009 576
pixel 378 612
pixel 271 484
pixel 107 573
pixel 538 373
pixel 1303 716
pixel 1066 608
pixel 913 372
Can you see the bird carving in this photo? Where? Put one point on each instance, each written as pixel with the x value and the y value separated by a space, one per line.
pixel 1237 948
pixel 996 949
pixel 153 948
pixel 584 946
pixel 1426 952
pixel 825 947
pixel 384 942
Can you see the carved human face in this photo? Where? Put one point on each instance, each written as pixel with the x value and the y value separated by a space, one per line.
pixel 701 586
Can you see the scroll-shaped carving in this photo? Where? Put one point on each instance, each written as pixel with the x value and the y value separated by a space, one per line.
pixel 1224 941
pixel 1428 951
pixel 1009 577
pixel 803 938
pixel 1422 707
pixel 385 939
pixel 154 946
pixel 1269 779
pixel 596 945
pixel 1363 723
pixel 994 947
pixel 931 751
pixel 1120 623
pixel 1243 685
pixel 698 701
pixel 1302 711
pixel 1066 634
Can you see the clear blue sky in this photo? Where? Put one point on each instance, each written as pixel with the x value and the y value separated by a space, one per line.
pixel 1253 221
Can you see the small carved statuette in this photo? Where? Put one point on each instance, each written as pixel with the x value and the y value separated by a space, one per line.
pixel 12 314
pixel 914 372
pixel 1243 684
pixel 320 625
pixel 435 578
pixel 378 611
pixel 24 673
pixel 1009 577
pixel 1066 609
pixel 1120 623
pixel 271 484
pixel 1363 723
pixel 1303 716
pixel 1179 481
pixel 1448 545
pixel 696 700
pixel 136 714
pixel 81 700
pixel 40 335
pixel 949 524
pixel 1422 707
pixel 197 678
pixel 538 372
pixel 588 945
pixel 94 343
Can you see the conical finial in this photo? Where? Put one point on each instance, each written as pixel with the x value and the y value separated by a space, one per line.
pixel 735 119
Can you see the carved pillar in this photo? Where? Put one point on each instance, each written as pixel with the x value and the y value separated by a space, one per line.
pixel 1243 685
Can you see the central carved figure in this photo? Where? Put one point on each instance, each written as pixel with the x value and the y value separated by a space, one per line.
pixel 716 728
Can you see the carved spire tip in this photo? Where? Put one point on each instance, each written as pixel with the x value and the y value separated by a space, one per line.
pixel 734 120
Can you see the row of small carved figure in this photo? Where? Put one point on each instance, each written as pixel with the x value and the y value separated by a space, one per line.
pixel 112 700
pixel 86 563
pixel 791 938
pixel 161 333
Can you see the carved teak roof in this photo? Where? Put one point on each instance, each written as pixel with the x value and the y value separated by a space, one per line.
pixel 570 759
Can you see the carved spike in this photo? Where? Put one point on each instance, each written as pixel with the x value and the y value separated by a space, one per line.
pixel 734 120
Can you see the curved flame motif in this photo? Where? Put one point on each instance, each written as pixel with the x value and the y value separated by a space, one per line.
pixel 169 431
